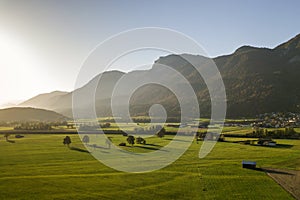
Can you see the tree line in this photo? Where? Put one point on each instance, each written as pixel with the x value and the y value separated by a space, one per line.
pixel 286 133
pixel 38 125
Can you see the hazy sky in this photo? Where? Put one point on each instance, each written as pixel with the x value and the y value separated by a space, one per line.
pixel 43 43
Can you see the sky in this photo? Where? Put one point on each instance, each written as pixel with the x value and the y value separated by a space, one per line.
pixel 44 43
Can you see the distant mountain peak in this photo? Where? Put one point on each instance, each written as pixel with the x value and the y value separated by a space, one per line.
pixel 41 100
pixel 58 92
pixel 247 48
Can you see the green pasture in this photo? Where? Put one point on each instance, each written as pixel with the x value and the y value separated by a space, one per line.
pixel 41 167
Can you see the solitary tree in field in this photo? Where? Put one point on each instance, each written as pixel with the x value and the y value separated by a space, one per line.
pixel 221 138
pixel 108 142
pixel 131 140
pixel 197 137
pixel 85 139
pixel 67 141
pixel 161 133
pixel 6 135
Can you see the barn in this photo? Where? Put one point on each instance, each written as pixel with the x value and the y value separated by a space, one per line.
pixel 249 164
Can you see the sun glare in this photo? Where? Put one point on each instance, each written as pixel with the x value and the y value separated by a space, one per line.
pixel 17 64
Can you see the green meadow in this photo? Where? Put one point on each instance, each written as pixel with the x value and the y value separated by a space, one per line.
pixel 41 167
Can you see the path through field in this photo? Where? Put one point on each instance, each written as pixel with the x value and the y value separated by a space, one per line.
pixel 288 179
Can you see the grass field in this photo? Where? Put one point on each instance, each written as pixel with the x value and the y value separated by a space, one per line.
pixel 237 130
pixel 3 128
pixel 40 167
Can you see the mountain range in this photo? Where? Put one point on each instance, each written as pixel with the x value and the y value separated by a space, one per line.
pixel 257 80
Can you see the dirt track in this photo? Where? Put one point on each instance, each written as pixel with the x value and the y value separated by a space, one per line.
pixel 288 179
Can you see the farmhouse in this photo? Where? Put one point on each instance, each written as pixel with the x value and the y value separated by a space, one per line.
pixel 266 142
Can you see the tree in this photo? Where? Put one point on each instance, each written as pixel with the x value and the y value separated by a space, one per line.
pixel 221 138
pixel 106 125
pixel 108 142
pixel 86 139
pixel 161 133
pixel 131 140
pixel 6 135
pixel 67 141
pixel 140 140
pixel 197 137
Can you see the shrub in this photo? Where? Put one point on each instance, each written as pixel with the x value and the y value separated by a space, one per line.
pixel 161 133
pixel 122 144
pixel 86 139
pixel 140 140
pixel 106 125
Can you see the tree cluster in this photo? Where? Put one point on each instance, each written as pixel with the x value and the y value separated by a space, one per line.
pixel 285 133
pixel 33 126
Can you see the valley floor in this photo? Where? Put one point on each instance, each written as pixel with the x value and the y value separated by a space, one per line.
pixel 40 167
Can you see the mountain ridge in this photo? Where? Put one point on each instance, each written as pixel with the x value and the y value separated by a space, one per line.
pixel 257 80
pixel 42 100
pixel 28 114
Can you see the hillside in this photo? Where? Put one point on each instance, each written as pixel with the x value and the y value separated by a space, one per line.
pixel 257 80
pixel 29 114
pixel 45 100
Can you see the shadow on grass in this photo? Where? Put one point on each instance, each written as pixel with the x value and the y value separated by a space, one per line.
pixel 176 140
pixel 10 141
pixel 79 149
pixel 284 146
pixel 95 146
pixel 273 171
pixel 149 148
pixel 154 145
